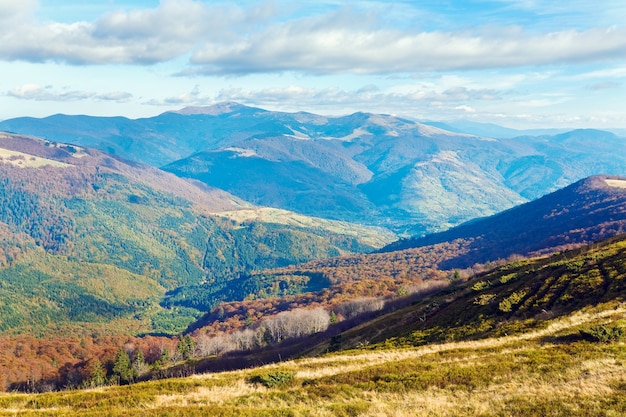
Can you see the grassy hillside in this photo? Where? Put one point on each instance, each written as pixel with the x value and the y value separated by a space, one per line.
pixel 552 372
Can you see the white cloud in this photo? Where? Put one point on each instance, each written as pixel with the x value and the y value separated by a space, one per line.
pixel 368 97
pixel 47 93
pixel 145 36
pixel 37 92
pixel 116 96
pixel 466 109
pixel 17 10
pixel 323 49
pixel 617 72
pixel 224 39
pixel 192 97
pixel 606 85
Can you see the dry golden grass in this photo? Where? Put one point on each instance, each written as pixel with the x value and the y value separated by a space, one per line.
pixel 374 236
pixel 532 374
pixel 215 395
pixel 22 160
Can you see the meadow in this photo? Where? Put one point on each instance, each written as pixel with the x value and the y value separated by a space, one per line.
pixel 566 368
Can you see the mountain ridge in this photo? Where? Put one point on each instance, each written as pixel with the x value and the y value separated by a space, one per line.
pixel 361 156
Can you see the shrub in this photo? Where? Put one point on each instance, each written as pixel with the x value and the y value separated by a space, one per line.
pixel 484 299
pixel 603 334
pixel 506 305
pixel 506 278
pixel 273 379
pixel 481 285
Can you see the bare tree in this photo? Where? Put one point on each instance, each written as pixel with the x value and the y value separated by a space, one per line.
pixel 360 306
pixel 213 345
pixel 296 323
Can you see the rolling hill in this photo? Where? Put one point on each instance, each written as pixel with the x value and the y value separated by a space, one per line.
pixel 92 243
pixel 367 168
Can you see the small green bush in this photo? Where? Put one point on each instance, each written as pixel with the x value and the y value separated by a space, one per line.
pixel 602 333
pixel 506 305
pixel 273 379
pixel 484 299
pixel 481 285
pixel 508 277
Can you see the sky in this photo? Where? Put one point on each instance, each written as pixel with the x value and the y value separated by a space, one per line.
pixel 516 63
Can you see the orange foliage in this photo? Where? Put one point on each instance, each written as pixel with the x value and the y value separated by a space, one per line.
pixel 27 362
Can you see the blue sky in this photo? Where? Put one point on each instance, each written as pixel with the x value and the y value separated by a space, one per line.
pixel 522 64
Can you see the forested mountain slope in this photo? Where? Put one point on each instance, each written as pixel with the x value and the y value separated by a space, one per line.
pixel 90 241
pixel 589 210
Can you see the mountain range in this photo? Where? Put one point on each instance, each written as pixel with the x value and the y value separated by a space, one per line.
pixel 373 169
pixel 198 223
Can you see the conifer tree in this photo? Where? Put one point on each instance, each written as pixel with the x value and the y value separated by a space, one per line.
pixel 98 376
pixel 139 363
pixel 186 347
pixel 122 367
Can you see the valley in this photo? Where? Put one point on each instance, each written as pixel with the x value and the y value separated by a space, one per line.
pixel 79 233
pixel 556 366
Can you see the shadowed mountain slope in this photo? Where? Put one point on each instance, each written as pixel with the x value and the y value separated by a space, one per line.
pixel 589 210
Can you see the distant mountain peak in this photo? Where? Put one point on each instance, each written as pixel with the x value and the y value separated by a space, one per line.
pixel 213 110
pixel 609 183
pixel 616 183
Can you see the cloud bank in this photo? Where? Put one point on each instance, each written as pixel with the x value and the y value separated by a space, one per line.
pixel 48 93
pixel 226 39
